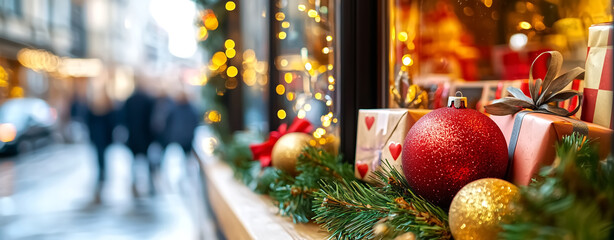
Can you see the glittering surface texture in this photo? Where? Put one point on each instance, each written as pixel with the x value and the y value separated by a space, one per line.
pixel 448 148
pixel 480 207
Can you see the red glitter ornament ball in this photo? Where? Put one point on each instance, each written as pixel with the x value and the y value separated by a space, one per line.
pixel 449 148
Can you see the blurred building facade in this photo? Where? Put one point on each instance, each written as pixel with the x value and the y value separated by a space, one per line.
pixel 55 49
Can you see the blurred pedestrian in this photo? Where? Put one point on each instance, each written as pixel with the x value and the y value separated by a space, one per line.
pixel 181 122
pixel 163 104
pixel 101 120
pixel 136 114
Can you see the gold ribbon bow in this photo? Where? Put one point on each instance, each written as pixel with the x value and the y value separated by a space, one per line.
pixel 544 94
pixel 416 98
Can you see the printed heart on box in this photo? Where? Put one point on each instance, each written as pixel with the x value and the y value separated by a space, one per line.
pixel 363 168
pixel 395 150
pixel 369 121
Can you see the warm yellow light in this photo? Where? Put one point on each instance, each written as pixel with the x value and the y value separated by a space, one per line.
pixel 329 103
pixel 202 33
pixel 402 36
pixel 322 68
pixel 8 132
pixel 318 96
pixel 331 87
pixel 488 3
pixel 213 116
pixel 249 55
pixel 229 43
pixel 219 59
pixel 288 77
pixel 290 96
pixel 282 35
pixel 230 53
pixel 317 19
pixel 230 5
pixel 283 62
pixel 308 66
pixel 301 7
pixel 334 120
pixel 322 141
pixel 280 89
pixel 281 114
pixel 331 79
pixel 325 50
pixel 16 92
pixel 312 143
pixel 330 67
pixel 407 61
pixel 301 114
pixel 211 22
pixel 285 24
pixel 524 25
pixel 329 38
pixel 280 16
pixel 320 131
pixel 307 107
pixel 232 71
pixel 312 13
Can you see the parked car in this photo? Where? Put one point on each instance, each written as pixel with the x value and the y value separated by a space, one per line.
pixel 25 123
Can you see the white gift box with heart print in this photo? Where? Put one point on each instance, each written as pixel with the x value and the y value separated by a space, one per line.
pixel 380 136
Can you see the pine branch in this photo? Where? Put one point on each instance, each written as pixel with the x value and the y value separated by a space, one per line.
pixel 353 210
pixel 294 195
pixel 573 200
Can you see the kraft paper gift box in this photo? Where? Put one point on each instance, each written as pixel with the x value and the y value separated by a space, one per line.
pixel 597 105
pixel 537 137
pixel 380 136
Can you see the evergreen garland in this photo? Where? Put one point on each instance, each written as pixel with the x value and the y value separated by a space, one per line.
pixel 294 195
pixel 574 200
pixel 350 209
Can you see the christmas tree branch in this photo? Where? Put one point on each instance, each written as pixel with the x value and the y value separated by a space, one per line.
pixel 573 200
pixel 294 195
pixel 353 210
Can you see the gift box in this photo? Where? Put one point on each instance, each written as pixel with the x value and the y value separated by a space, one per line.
pixel 532 140
pixel 380 136
pixel 597 106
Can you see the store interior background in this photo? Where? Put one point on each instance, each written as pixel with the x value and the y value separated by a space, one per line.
pixel 242 65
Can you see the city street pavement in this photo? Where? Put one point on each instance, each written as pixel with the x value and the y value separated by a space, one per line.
pixel 48 194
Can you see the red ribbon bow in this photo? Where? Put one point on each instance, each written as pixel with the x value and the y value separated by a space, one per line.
pixel 262 151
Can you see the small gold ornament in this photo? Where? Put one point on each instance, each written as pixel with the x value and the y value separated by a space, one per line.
pixel 287 150
pixel 480 207
pixel 416 97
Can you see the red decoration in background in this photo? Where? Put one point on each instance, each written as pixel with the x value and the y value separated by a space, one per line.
pixel 262 151
pixel 448 148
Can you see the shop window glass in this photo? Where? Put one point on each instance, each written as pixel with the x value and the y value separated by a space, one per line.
pixel 479 40
pixel 306 86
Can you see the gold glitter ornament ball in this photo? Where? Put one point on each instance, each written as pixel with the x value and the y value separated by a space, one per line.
pixel 287 149
pixel 480 207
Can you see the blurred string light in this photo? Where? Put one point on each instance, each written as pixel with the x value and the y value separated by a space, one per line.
pixel 524 25
pixel 4 78
pixel 303 102
pixel 518 41
pixel 230 5
pixel 43 61
pixel 212 116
